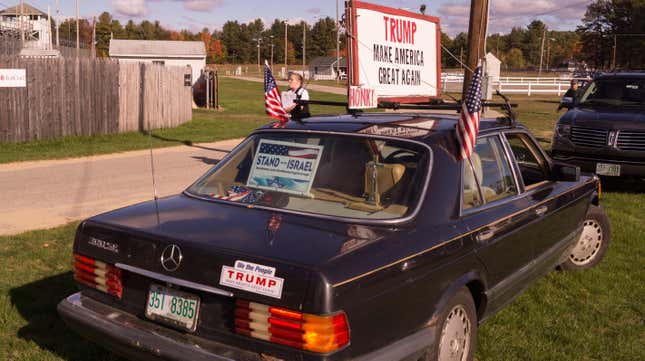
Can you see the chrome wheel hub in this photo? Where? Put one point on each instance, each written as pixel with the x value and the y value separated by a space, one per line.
pixel 454 344
pixel 588 244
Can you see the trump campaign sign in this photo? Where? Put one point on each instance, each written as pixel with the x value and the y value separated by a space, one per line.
pixel 395 54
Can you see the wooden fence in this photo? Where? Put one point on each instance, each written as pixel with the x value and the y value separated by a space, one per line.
pixel 90 97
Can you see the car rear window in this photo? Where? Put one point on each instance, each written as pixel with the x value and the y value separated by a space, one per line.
pixel 332 175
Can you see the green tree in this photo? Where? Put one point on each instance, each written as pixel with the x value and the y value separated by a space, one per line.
pixel 514 59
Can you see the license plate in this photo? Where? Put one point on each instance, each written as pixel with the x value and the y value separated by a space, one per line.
pixel 612 170
pixel 172 307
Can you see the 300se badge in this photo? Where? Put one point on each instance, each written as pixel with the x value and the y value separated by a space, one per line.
pixel 252 277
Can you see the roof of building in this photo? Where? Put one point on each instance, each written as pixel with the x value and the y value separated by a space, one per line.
pixel 27 10
pixel 156 48
pixel 325 61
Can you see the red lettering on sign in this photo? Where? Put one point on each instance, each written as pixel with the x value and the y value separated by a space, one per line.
pixel 239 276
pixel 261 281
pixel 230 273
pixel 272 283
pixel 399 30
pixel 251 278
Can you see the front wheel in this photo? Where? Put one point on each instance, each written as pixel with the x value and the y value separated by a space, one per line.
pixel 590 248
pixel 457 330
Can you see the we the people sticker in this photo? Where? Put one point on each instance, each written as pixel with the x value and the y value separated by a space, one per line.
pixel 252 277
pixel 284 166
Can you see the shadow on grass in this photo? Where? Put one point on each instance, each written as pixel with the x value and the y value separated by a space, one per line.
pixel 36 302
pixel 623 185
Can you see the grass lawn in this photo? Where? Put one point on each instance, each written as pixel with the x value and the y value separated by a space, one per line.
pixel 243 111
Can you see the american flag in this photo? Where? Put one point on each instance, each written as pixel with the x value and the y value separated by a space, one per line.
pixel 471 107
pixel 291 151
pixel 240 194
pixel 272 97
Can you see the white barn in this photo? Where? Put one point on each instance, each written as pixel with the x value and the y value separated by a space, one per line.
pixel 164 52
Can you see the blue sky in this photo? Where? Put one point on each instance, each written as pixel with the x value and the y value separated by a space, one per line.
pixel 196 14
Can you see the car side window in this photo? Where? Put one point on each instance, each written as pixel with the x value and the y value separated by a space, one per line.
pixel 530 161
pixel 492 169
pixel 471 196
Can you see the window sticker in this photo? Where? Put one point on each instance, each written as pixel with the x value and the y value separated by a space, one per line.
pixel 284 166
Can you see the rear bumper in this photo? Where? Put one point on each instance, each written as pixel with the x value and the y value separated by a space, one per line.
pixel 138 339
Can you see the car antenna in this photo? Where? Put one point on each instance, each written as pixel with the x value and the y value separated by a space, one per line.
pixel 152 172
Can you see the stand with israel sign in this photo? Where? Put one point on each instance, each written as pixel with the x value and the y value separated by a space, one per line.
pixel 395 56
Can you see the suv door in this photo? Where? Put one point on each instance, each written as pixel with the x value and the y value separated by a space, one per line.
pixel 556 221
pixel 496 214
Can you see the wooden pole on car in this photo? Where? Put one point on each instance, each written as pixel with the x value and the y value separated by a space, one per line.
pixel 476 39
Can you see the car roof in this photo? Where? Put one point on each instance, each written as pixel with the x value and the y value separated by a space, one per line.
pixel 402 125
pixel 622 74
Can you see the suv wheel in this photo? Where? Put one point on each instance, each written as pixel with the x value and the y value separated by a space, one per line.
pixel 593 242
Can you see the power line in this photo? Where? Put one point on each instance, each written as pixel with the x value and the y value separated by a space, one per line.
pixel 541 14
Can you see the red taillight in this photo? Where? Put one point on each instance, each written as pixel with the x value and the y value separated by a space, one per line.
pixel 322 334
pixel 98 275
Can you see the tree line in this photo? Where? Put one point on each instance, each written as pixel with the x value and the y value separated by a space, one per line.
pixel 592 41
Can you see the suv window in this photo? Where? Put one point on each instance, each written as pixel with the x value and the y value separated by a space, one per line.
pixel 615 92
pixel 488 167
pixel 530 161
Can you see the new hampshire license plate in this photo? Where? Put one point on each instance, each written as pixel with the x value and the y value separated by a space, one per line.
pixel 612 170
pixel 173 307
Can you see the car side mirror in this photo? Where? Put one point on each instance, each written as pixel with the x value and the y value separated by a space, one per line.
pixel 567 102
pixel 565 172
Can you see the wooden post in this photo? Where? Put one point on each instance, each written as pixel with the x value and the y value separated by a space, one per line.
pixel 22 27
pixel 337 46
pixel 94 38
pixel 57 24
pixel 476 38
pixel 613 58
pixel 542 51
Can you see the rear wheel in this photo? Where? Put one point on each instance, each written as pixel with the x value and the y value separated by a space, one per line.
pixel 456 331
pixel 593 242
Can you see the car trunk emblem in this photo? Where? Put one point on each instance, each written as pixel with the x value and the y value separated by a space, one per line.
pixel 171 258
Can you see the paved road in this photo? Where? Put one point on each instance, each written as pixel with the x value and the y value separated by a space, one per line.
pixel 46 194
pixel 284 84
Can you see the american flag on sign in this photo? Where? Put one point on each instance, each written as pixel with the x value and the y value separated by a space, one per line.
pixel 291 151
pixel 471 107
pixel 272 100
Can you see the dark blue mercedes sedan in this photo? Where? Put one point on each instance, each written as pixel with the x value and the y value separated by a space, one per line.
pixel 351 237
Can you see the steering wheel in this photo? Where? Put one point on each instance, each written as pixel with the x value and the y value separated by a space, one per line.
pixel 395 156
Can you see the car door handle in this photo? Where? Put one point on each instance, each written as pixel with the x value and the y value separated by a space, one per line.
pixel 540 211
pixel 484 236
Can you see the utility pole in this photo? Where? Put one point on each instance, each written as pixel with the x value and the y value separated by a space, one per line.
pixel 49 31
pixel 613 58
pixel 22 27
pixel 304 46
pixel 337 46
pixel 542 50
pixel 286 48
pixel 259 40
pixel 94 38
pixel 57 24
pixel 271 51
pixel 476 38
pixel 78 37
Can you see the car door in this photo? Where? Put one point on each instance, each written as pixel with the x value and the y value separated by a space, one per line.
pixel 496 214
pixel 558 208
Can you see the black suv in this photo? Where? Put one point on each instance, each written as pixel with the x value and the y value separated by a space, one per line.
pixel 604 130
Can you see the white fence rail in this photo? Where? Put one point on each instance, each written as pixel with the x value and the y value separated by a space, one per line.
pixel 513 84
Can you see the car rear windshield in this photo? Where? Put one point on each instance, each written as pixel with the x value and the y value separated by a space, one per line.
pixel 615 92
pixel 333 175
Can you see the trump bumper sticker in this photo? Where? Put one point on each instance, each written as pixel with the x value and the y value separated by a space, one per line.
pixel 252 277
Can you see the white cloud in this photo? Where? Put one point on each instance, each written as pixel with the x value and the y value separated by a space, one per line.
pixel 201 5
pixel 134 8
pixel 505 14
